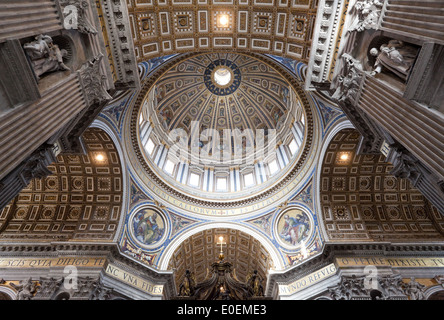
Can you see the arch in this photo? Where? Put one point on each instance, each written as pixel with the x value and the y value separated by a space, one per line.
pixel 346 124
pixel 125 176
pixel 323 298
pixel 7 293
pixel 434 293
pixel 62 296
pixel 201 250
pixel 275 255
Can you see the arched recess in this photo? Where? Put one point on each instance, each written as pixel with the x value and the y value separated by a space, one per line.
pixel 345 124
pixel 435 293
pixel 198 251
pixel 7 293
pixel 101 125
pixel 361 201
pixel 80 201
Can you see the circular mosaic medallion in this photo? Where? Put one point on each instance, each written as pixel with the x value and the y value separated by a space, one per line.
pixel 294 227
pixel 193 111
pixel 222 77
pixel 206 119
pixel 221 121
pixel 148 227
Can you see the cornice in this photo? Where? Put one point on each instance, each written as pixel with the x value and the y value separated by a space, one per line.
pixel 334 250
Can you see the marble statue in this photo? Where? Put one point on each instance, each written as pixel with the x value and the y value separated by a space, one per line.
pixel 77 11
pixel 348 83
pixel 26 289
pixel 45 56
pixel 39 48
pixel 366 15
pixel 395 56
pixel 415 290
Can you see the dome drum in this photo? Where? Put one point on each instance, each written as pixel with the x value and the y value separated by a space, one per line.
pixel 223 138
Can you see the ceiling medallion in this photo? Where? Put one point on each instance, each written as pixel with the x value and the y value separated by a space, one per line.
pixel 148 227
pixel 294 228
pixel 222 77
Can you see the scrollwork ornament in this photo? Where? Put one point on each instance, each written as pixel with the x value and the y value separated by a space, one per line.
pixel 392 285
pixel 49 286
pixel 85 285
pixel 101 292
pixel 405 166
pixel 366 15
pixel 76 16
pixel 93 81
pixel 440 280
pixel 350 287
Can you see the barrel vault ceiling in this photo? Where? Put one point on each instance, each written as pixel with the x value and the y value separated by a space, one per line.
pixel 80 201
pixel 164 27
pixel 200 251
pixel 362 201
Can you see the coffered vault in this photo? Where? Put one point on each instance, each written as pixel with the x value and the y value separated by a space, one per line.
pixel 281 27
pixel 81 200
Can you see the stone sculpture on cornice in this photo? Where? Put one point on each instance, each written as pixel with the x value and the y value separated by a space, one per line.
pixel 26 289
pixel 76 16
pixel 45 56
pixel 348 82
pixel 93 81
pixel 365 15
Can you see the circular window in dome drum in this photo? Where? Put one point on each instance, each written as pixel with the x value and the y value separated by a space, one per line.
pixel 222 77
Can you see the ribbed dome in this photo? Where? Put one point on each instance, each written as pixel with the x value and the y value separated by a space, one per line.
pixel 221 123
pixel 250 95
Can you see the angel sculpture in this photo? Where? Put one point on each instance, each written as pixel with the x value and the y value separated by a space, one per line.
pixel 254 284
pixel 26 289
pixel 186 289
pixel 414 290
pixel 395 56
pixel 366 15
pixel 45 56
